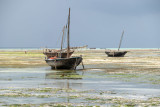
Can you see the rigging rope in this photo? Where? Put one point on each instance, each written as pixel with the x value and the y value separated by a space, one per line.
pixel 58 40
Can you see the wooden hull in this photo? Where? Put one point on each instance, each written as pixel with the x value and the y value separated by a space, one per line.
pixel 64 63
pixel 57 54
pixel 116 53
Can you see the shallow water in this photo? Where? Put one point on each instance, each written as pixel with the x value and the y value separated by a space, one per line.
pixel 67 86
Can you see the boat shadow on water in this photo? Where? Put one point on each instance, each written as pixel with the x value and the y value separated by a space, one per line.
pixel 64 74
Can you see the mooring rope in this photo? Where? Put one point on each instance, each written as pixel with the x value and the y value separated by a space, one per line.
pixel 75 65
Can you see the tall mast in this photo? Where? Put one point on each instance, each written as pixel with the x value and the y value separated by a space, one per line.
pixel 121 40
pixel 62 38
pixel 68 46
pixel 62 42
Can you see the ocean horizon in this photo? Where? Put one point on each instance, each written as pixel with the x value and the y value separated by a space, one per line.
pixel 39 48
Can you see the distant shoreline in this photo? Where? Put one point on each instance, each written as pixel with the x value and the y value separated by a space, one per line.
pixel 128 49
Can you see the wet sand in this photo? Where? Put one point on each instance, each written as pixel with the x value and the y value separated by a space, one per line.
pixel 133 80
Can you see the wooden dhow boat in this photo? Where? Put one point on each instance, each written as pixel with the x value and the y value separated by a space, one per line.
pixel 67 62
pixel 113 53
pixel 116 53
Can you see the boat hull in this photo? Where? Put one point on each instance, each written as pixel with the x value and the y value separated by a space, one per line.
pixel 64 63
pixel 116 53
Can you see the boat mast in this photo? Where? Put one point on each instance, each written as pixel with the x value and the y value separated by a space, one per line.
pixel 68 46
pixel 62 42
pixel 121 40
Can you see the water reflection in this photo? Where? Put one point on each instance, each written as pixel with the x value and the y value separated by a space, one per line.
pixel 61 79
pixel 64 75
pixel 67 80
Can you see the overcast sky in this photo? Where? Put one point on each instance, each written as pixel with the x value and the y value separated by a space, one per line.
pixel 96 23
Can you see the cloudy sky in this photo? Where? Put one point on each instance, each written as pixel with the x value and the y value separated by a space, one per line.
pixel 96 23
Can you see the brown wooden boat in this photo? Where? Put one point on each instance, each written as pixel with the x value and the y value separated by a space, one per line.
pixel 114 53
pixel 68 62
pixel 64 63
